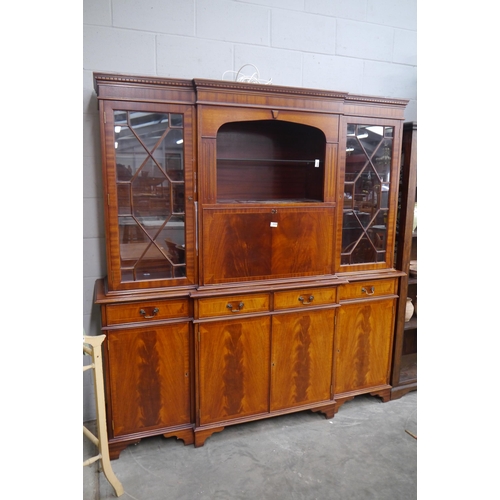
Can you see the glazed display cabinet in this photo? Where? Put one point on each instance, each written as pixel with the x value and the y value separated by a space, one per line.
pixel 250 238
pixel 404 371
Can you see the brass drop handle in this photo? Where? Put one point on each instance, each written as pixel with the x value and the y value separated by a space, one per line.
pixel 371 292
pixel 240 307
pixel 142 312
pixel 311 298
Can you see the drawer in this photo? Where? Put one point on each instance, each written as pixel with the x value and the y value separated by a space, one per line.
pixel 367 289
pixel 147 311
pixel 231 305
pixel 305 297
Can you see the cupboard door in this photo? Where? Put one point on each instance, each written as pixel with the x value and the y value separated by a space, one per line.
pixel 301 361
pixel 363 343
pixel 302 241
pixel 236 245
pixel 149 377
pixel 148 183
pixel 369 193
pixel 233 369
pixel 245 244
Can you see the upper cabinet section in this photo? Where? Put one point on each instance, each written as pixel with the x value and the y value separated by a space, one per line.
pixel 197 172
pixel 266 144
pixel 148 182
pixel 369 193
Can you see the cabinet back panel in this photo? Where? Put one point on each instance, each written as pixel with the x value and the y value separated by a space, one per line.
pixel 262 181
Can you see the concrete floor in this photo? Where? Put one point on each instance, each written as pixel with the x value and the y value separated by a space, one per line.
pixel 363 453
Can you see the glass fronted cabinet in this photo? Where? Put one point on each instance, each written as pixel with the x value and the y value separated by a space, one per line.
pixel 404 368
pixel 369 195
pixel 149 152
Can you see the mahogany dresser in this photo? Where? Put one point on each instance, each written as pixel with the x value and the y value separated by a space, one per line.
pixel 250 235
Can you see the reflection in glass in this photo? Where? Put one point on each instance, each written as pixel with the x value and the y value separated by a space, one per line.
pixel 149 156
pixel 366 193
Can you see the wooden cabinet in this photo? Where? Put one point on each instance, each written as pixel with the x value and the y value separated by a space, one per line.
pixel 404 372
pixel 250 235
pixel 149 369
pixel 363 341
pixel 369 196
pixel 147 151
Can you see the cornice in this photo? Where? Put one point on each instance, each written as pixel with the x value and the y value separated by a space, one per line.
pixel 259 87
pixel 225 85
pixel 142 80
pixel 377 100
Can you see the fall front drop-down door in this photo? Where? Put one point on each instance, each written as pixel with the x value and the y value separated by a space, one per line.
pixel 270 242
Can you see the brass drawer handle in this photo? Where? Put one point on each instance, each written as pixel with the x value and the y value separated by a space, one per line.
pixel 240 307
pixel 142 312
pixel 311 298
pixel 371 292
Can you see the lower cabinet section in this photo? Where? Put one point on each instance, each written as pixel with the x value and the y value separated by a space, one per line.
pixel 216 360
pixel 248 368
pixel 255 367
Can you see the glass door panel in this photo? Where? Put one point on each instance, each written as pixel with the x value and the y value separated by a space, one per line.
pixel 150 187
pixel 366 193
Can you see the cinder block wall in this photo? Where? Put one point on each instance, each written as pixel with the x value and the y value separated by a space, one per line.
pixel 359 46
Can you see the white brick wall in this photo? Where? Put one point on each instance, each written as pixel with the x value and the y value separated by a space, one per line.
pixel 233 21
pixel 360 46
pixel 303 32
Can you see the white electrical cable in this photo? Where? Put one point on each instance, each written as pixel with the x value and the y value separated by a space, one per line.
pixel 254 78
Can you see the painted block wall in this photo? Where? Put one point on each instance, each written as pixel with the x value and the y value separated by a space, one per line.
pixel 358 46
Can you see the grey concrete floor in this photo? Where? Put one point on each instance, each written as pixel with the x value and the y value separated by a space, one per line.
pixel 364 452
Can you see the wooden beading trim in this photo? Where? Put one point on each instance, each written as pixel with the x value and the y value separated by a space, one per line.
pixel 258 87
pixel 159 81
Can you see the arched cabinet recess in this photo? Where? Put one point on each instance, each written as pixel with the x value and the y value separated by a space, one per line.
pixel 250 252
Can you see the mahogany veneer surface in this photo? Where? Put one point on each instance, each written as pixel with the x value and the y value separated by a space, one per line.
pixel 252 314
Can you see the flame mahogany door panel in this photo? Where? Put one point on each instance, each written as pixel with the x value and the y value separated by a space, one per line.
pixel 302 241
pixel 363 345
pixel 149 377
pixel 245 244
pixel 234 368
pixel 301 361
pixel 236 244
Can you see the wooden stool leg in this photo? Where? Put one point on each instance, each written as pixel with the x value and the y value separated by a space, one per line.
pixel 102 433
